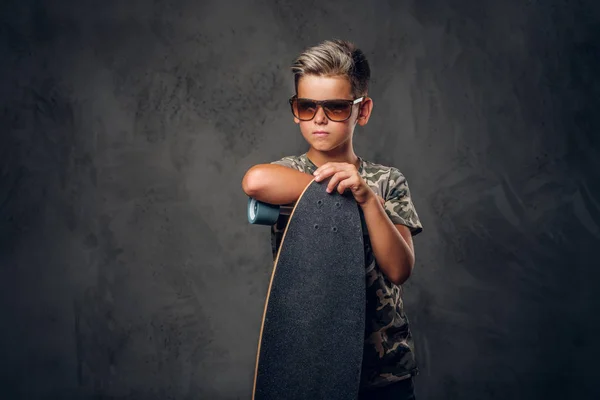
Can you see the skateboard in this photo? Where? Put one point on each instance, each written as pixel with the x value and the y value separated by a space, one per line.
pixel 312 333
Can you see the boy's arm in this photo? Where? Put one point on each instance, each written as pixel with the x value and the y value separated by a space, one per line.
pixel 275 184
pixel 391 228
pixel 391 225
pixel 392 243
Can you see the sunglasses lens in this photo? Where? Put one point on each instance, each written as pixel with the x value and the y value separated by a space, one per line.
pixel 337 110
pixel 304 109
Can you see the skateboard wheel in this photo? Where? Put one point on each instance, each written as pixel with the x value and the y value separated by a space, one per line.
pixel 260 213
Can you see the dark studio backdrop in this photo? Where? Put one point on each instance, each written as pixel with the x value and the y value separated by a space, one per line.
pixel 128 269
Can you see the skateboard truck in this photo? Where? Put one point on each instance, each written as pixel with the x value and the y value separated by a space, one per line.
pixel 261 213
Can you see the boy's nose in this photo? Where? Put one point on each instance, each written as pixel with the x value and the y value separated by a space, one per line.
pixel 320 116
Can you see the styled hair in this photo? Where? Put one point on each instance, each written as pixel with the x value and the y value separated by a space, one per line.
pixel 335 58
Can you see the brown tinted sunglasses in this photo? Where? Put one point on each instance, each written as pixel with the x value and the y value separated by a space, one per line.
pixel 335 110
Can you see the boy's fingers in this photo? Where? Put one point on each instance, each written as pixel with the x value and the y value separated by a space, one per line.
pixel 330 166
pixel 327 172
pixel 335 179
pixel 344 185
pixel 331 184
pixel 323 172
pixel 322 168
pixel 349 183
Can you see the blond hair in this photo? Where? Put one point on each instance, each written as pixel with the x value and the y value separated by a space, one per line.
pixel 335 58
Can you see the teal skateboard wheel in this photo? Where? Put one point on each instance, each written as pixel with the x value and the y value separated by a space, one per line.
pixel 260 213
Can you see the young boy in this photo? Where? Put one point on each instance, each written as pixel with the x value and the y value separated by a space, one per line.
pixel 331 82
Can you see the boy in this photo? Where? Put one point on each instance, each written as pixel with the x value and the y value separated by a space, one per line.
pixel 331 82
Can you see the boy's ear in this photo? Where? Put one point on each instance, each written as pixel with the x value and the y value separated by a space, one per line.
pixel 364 112
pixel 296 120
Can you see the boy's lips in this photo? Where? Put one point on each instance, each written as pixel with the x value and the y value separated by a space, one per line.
pixel 320 133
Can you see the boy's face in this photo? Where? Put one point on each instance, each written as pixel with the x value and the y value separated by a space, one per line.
pixel 321 133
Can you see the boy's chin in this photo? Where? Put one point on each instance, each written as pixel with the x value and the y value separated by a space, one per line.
pixel 323 148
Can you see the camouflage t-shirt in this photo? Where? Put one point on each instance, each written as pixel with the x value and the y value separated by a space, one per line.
pixel 389 347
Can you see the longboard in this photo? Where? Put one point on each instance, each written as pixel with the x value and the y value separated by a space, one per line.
pixel 312 333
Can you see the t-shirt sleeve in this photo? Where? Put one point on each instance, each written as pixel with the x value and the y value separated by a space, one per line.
pixel 287 162
pixel 399 205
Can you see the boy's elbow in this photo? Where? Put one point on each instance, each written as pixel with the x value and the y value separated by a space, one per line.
pixel 399 279
pixel 400 276
pixel 251 183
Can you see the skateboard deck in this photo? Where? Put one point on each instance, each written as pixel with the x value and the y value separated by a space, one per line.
pixel 312 334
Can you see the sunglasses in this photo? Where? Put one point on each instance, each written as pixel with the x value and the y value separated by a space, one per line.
pixel 335 110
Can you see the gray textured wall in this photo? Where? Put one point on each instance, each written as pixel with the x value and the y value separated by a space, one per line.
pixel 128 269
